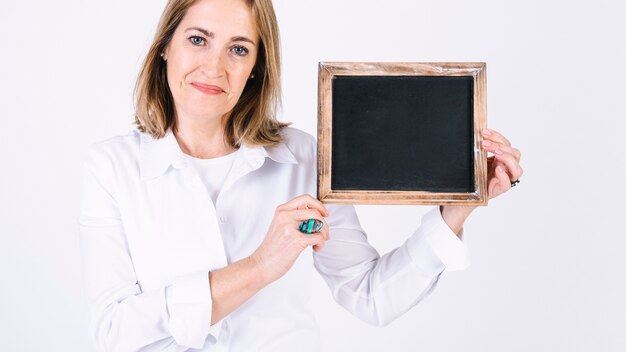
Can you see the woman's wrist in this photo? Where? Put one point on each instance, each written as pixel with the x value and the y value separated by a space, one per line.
pixel 260 278
pixel 455 216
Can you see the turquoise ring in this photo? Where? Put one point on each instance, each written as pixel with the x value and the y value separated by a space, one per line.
pixel 311 226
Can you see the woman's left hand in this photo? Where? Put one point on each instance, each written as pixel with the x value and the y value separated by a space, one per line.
pixel 503 167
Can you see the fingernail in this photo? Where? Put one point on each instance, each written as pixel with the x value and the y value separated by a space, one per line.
pixel 486 132
pixel 487 143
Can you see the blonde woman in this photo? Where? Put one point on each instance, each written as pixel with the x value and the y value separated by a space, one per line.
pixel 189 223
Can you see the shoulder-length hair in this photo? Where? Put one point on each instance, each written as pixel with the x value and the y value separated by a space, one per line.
pixel 252 121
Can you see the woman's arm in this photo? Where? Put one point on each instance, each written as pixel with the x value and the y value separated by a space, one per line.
pixel 233 285
pixel 379 289
pixel 188 312
pixel 283 243
pixel 123 315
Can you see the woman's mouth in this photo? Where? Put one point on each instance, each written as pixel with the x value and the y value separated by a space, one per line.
pixel 207 89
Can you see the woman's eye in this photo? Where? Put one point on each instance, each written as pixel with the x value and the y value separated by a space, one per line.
pixel 240 51
pixel 195 40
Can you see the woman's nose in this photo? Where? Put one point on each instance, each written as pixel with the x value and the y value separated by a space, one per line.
pixel 213 64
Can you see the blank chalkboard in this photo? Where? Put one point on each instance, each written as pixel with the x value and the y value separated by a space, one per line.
pixel 401 133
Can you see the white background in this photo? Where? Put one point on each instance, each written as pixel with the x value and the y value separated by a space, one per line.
pixel 548 257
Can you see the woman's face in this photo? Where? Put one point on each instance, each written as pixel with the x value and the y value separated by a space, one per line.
pixel 210 58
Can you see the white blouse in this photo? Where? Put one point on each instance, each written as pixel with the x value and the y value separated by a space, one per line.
pixel 150 234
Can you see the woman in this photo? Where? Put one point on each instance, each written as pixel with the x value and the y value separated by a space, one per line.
pixel 189 224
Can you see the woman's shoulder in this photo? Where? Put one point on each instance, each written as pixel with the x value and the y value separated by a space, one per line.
pixel 300 143
pixel 296 139
pixel 115 150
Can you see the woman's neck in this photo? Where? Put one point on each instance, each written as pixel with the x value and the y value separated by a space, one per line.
pixel 202 140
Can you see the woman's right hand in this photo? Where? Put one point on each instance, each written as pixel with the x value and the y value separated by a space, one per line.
pixel 284 242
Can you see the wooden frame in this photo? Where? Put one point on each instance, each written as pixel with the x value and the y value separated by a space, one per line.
pixel 329 70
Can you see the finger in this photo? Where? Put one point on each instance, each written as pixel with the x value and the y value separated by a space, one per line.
pixel 491 188
pixel 512 166
pixel 313 239
pixel 306 201
pixel 499 149
pixel 495 136
pixel 499 183
pixel 300 215
pixel 325 230
pixel 318 247
pixel 503 179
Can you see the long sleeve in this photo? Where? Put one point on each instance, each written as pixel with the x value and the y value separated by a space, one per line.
pixel 379 289
pixel 176 317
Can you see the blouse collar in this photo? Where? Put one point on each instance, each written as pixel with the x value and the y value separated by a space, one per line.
pixel 157 155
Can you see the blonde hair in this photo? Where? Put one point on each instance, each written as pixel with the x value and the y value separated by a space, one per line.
pixel 252 121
